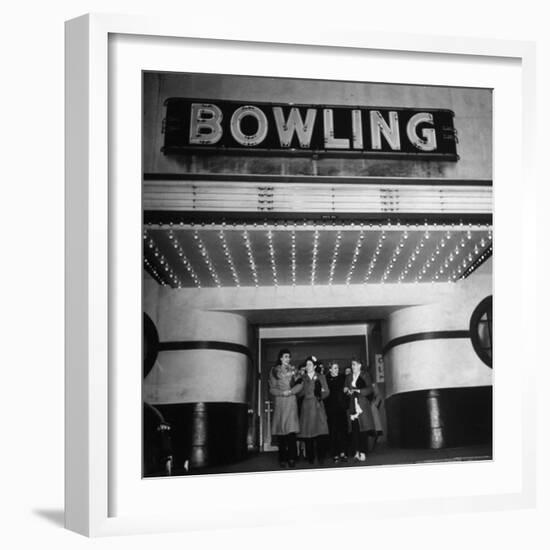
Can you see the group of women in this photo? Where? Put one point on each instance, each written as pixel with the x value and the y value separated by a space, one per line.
pixel 309 406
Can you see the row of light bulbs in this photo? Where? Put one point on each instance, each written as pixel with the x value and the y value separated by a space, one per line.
pixel 314 256
pixel 151 269
pixel 334 259
pixel 446 262
pixel 184 260
pixel 356 252
pixel 161 259
pixel 374 258
pixel 413 257
pixel 439 273
pixel 229 258
pixel 396 253
pixel 251 261
pixel 478 261
pixel 271 249
pixel 432 260
pixel 293 256
pixel 206 258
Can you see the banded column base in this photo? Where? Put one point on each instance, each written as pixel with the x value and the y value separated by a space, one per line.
pixel 441 418
pixel 207 434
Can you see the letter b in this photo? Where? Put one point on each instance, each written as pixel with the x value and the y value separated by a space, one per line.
pixel 205 127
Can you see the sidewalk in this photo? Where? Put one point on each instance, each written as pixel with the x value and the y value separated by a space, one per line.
pixel 382 455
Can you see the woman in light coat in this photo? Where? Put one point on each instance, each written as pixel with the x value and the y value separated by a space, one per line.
pixel 284 384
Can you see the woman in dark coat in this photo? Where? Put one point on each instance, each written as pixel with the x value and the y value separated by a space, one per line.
pixel 284 384
pixel 358 387
pixel 313 418
pixel 336 405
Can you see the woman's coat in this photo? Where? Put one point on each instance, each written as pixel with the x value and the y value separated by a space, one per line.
pixel 313 418
pixel 359 402
pixel 285 415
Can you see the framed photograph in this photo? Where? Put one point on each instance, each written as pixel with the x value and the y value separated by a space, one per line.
pixel 282 254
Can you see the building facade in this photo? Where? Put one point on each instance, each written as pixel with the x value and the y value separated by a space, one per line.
pixel 337 219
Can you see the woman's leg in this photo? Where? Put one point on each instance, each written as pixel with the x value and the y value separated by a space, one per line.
pixel 333 433
pixel 355 437
pixel 309 450
pixel 291 449
pixel 363 442
pixel 283 449
pixel 321 445
pixel 342 434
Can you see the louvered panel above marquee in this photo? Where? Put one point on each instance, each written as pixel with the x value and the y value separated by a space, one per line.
pixel 338 198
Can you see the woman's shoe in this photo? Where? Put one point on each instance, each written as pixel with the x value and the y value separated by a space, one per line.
pixel 362 457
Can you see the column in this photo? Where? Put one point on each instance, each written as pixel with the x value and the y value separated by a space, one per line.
pixel 439 392
pixel 199 383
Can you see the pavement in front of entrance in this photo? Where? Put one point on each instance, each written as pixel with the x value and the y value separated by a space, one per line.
pixel 382 455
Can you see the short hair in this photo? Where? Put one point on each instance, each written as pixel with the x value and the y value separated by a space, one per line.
pixel 281 353
pixel 311 358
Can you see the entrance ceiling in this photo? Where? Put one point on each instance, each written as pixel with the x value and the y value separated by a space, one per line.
pixel 281 253
pixel 304 316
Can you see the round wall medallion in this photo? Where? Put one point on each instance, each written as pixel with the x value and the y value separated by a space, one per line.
pixel 481 330
pixel 150 344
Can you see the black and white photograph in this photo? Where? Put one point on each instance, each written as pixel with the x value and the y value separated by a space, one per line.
pixel 317 274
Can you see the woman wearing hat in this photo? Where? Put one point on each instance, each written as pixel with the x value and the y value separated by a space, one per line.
pixel 313 418
pixel 284 384
pixel 336 406
pixel 358 387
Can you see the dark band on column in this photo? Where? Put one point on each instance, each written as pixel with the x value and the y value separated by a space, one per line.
pixel 205 344
pixel 419 336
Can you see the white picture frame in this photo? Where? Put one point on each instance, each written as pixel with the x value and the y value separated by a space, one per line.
pixel 96 302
